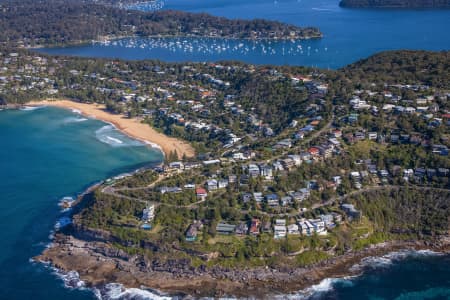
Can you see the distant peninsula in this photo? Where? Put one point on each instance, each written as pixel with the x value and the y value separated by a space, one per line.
pixel 61 22
pixel 395 3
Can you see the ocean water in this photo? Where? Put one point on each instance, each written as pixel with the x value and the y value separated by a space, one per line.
pixel 349 34
pixel 406 275
pixel 46 154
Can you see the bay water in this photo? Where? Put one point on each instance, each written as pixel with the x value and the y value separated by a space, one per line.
pixel 349 34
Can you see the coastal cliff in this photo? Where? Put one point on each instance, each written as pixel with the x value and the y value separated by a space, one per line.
pixel 103 256
pixel 395 3
pixel 98 264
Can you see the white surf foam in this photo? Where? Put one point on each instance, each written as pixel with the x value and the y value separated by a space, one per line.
pixel 74 120
pixel 62 222
pixel 387 260
pixel 316 290
pixel 71 279
pixel 114 140
pixel 116 291
pixel 31 108
pixel 109 134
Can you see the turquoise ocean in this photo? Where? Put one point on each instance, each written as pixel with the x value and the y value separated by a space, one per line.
pixel 46 154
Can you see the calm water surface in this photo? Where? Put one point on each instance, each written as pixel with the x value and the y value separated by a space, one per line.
pixel 349 34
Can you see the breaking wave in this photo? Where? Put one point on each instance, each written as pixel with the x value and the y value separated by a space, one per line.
pixel 385 261
pixel 76 111
pixel 116 291
pixel 31 108
pixel 110 135
pixel 315 291
pixel 74 120
pixel 71 279
pixel 369 263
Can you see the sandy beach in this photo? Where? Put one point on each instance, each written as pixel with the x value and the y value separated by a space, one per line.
pixel 131 127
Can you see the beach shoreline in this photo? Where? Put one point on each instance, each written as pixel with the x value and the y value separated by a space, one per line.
pixel 130 127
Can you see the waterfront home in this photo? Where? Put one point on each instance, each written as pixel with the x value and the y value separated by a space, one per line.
pixel 337 180
pixel 253 170
pixel 189 186
pixel 306 228
pixel 241 228
pixel 305 156
pixel 279 231
pixel 225 228
pixel 192 232
pixel 314 151
pixel 337 217
pixel 327 219
pixel 266 172
pixel 222 183
pixel 286 143
pixel 201 193
pixel 258 196
pixel 287 163
pixel 293 229
pixel 191 165
pixel 168 189
pixel 351 211
pixel 272 200
pixel 384 173
pixel 277 166
pixel 319 226
pixel 336 133
pixel 266 227
pixel 372 135
pixel 280 222
pixel 286 200
pixel 148 214
pixel 299 135
pixel 443 172
pixel 211 162
pixel 246 197
pixel 298 196
pixel 254 227
pixel 232 178
pixel 211 185
pixel 296 159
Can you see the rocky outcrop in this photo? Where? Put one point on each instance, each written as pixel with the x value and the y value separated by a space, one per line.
pixel 99 263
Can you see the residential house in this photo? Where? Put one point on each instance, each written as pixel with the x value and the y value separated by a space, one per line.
pixel 293 229
pixel 225 228
pixel 192 232
pixel 241 228
pixel 351 211
pixel 266 172
pixel 222 183
pixel 279 231
pixel 258 196
pixel 272 200
pixel 254 227
pixel 201 193
pixel 212 184
pixel 148 214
